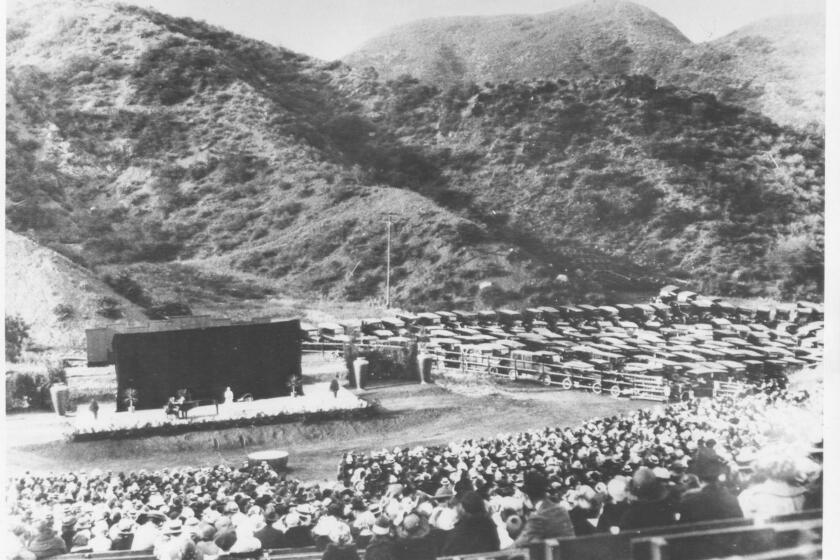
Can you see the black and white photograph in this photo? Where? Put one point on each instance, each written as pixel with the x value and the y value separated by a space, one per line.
pixel 420 280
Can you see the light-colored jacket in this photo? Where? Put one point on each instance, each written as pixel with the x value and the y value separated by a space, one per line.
pixel 771 498
pixel 549 521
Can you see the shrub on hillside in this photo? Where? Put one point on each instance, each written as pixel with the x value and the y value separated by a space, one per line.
pixel 128 288
pixel 109 308
pixel 56 373
pixel 174 70
pixel 64 312
pixel 242 167
pixel 17 333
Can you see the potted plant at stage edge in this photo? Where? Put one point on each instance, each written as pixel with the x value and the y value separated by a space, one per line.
pixel 130 398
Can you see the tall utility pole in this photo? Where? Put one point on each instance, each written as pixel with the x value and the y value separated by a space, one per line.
pixel 388 268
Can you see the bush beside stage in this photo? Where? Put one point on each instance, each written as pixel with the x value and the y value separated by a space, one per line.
pixel 170 428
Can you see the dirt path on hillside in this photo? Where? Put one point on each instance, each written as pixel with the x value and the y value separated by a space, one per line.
pixel 412 415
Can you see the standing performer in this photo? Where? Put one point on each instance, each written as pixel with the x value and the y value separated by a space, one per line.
pixel 334 386
pixel 94 408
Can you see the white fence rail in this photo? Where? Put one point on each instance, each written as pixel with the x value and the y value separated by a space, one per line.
pixel 565 376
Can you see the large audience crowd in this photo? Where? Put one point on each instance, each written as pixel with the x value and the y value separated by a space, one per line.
pixel 694 461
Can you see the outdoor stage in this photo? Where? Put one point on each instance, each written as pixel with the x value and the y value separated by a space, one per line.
pixel 317 398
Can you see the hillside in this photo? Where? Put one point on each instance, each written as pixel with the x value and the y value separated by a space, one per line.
pixel 56 297
pixel 775 66
pixel 670 179
pixel 137 137
pixel 138 142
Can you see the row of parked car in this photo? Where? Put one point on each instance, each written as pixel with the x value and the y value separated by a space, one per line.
pixel 673 346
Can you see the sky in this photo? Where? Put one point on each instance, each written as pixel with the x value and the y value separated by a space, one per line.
pixel 330 29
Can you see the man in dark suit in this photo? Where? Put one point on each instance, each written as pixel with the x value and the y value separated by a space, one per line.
pixel 712 500
pixel 548 520
pixel 651 505
pixel 271 536
pixel 475 531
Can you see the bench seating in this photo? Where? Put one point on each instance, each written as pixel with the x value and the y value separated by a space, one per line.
pixel 788 537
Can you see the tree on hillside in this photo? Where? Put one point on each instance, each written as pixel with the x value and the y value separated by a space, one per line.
pixel 17 333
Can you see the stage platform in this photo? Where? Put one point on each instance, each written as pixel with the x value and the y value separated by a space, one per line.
pixel 317 398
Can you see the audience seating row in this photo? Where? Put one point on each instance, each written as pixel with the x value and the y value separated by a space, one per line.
pixel 794 536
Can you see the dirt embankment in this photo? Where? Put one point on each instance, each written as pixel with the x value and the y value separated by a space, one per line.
pixel 56 297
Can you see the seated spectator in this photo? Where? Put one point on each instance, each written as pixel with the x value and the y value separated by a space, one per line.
pixel 650 505
pixel 297 534
pixel 382 546
pixel 778 493
pixel 547 520
pixel 614 506
pixel 99 541
pixel 474 531
pixel 148 532
pixel 341 545
pixel 327 525
pixel 81 542
pixel 46 542
pixel 413 542
pixel 15 543
pixel 584 514
pixel 225 541
pixel 246 543
pixel 712 501
pixel 176 549
pixel 444 514
pixel 272 535
pixel 205 545
pixel 513 527
pixel 122 535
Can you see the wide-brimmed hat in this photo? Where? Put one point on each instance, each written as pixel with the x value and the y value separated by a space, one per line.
pixel 413 526
pixel 645 486
pixel 444 493
pixel 382 526
pixel 173 527
pixel 291 520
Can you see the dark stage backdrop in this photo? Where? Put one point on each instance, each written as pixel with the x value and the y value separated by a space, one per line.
pixel 250 358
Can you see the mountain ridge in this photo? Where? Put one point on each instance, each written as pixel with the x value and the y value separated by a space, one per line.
pixel 613 38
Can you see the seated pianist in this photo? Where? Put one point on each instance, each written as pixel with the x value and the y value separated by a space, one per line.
pixel 172 408
pixel 175 406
